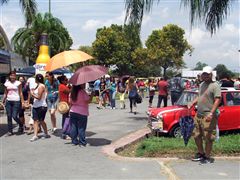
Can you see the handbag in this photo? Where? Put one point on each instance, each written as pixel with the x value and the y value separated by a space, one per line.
pixel 67 126
pixel 138 99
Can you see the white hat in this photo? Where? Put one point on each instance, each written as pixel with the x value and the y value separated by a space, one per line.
pixel 209 70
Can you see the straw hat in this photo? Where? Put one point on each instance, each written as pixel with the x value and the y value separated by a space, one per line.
pixel 63 107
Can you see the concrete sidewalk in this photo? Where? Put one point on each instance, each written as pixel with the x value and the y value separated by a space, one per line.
pixel 55 158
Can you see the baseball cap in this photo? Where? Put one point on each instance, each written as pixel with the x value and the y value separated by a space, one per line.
pixel 209 70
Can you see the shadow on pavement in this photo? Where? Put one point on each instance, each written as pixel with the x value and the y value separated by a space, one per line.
pixel 98 141
pixel 58 133
pixel 4 129
pixel 138 118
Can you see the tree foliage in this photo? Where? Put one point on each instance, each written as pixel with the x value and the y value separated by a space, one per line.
pixel 200 66
pixel 29 9
pixel 167 47
pixel 114 45
pixel 26 40
pixel 212 12
pixel 2 44
pixel 223 71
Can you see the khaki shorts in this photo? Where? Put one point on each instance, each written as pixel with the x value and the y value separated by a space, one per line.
pixel 204 129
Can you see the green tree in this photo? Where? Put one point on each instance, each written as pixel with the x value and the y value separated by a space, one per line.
pixel 143 67
pixel 212 12
pixel 223 71
pixel 167 47
pixel 29 8
pixel 113 46
pixel 200 66
pixel 2 44
pixel 26 40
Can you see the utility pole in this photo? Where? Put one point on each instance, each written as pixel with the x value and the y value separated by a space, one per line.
pixel 49 6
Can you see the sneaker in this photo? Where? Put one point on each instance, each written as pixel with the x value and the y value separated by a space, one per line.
pixel 34 138
pixel 135 113
pixel 206 160
pixel 198 157
pixel 20 130
pixel 9 134
pixel 45 136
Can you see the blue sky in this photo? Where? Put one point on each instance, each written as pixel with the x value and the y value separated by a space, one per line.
pixel 83 17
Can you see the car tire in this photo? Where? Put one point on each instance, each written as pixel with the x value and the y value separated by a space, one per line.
pixel 176 131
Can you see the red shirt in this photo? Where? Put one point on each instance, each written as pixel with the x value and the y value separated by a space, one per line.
pixel 163 88
pixel 63 96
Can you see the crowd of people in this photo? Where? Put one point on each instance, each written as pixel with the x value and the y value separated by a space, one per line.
pixel 43 94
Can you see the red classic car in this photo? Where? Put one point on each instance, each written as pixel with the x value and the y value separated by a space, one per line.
pixel 166 119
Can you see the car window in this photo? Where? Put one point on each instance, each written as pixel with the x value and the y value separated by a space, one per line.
pixel 186 98
pixel 233 98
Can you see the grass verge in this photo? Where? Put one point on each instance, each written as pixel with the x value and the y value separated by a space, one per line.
pixel 228 145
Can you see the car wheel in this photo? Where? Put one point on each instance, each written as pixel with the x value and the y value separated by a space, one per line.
pixel 176 132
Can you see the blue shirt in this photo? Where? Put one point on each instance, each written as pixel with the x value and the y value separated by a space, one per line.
pixel 97 85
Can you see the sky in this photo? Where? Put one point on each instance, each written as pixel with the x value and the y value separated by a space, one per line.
pixel 83 17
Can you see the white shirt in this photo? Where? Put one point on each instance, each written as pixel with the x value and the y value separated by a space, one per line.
pixel 32 83
pixel 39 103
pixel 12 90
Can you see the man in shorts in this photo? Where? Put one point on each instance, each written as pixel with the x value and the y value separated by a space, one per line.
pixel 206 118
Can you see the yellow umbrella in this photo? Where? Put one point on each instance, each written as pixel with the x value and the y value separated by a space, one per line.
pixel 66 58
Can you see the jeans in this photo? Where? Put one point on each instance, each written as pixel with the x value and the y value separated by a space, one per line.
pixel 13 108
pixel 132 102
pixel 79 125
pixel 160 98
pixel 175 96
pixel 113 101
pixel 64 116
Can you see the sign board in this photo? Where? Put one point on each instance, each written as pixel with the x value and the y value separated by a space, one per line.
pixel 193 74
pixel 4 68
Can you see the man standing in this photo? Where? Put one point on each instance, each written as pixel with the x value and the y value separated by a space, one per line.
pixel 176 88
pixel 162 92
pixel 206 118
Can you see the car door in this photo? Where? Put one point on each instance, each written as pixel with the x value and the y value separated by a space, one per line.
pixel 230 111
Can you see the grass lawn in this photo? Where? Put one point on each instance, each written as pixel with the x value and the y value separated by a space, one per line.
pixel 228 145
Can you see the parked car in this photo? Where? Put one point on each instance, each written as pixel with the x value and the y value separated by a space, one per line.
pixel 166 120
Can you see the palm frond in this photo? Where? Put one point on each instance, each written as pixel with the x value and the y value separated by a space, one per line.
pixel 3 2
pixel 135 10
pixel 29 7
pixel 212 12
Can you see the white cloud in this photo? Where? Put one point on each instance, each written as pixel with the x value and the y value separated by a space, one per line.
pixel 91 25
pixel 196 36
pixel 164 12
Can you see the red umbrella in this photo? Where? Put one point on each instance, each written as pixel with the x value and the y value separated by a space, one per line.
pixel 88 73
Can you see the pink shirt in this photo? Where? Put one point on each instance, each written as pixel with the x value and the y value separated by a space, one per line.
pixel 80 106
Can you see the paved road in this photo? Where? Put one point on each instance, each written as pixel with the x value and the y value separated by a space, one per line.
pixel 55 158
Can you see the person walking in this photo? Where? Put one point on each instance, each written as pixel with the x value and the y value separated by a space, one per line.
pixel 26 99
pixel 39 109
pixel 121 88
pixel 64 91
pixel 113 91
pixel 162 92
pixel 52 98
pixel 12 99
pixel 132 90
pixel 151 91
pixel 206 118
pixel 79 112
pixel 176 87
pixel 96 87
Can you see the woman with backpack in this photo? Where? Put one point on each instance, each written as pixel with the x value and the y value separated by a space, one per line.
pixel 132 90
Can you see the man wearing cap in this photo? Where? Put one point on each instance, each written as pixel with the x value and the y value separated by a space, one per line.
pixel 206 118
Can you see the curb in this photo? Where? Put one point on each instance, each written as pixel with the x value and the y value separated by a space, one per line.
pixel 117 146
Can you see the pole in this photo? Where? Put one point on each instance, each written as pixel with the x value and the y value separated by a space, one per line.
pixel 49 1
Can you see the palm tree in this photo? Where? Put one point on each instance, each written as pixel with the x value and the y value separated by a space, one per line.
pixel 212 12
pixel 26 40
pixel 29 8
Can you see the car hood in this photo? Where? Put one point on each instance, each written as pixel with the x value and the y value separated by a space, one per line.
pixel 155 111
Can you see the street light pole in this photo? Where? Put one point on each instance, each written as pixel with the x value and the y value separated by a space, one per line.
pixel 49 6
